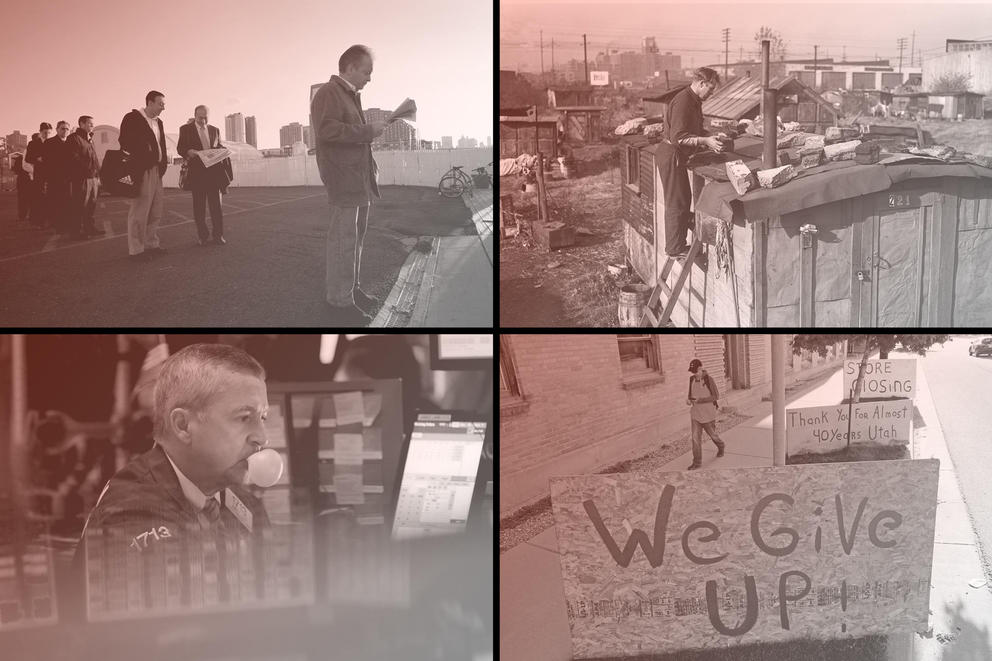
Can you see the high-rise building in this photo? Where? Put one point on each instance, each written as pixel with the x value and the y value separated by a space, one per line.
pixel 251 132
pixel 290 134
pixel 467 143
pixel 234 127
pixel 308 138
pixel 446 142
pixel 489 141
pixel 16 142
pixel 398 135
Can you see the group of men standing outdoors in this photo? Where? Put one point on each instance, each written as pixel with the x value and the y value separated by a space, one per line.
pixel 57 188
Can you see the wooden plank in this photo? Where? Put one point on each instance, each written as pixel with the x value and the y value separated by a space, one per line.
pixel 680 282
pixel 948 239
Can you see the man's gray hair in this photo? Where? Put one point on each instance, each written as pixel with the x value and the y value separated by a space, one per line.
pixel 192 375
pixel 198 107
pixel 353 56
pixel 706 75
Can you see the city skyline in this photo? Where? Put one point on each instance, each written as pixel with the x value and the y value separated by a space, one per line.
pixel 262 65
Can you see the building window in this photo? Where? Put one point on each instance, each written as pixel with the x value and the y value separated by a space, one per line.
pixel 638 355
pixel 633 168
pixel 507 375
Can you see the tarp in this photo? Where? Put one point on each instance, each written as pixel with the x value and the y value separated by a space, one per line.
pixel 834 181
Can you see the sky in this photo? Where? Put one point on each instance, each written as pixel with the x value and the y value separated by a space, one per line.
pixel 65 58
pixel 859 30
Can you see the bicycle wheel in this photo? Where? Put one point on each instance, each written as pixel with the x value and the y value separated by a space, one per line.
pixel 450 186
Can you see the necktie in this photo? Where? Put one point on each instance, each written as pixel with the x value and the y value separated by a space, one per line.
pixel 203 138
pixel 211 510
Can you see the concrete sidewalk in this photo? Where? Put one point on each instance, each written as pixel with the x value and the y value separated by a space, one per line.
pixel 533 622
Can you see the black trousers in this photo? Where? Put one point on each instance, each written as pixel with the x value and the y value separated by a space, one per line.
pixel 59 205
pixel 201 198
pixel 39 202
pixel 25 188
pixel 678 197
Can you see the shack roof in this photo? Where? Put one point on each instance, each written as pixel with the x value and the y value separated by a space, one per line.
pixel 740 96
pixel 827 183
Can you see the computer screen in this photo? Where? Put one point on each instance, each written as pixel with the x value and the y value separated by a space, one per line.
pixel 461 351
pixel 439 476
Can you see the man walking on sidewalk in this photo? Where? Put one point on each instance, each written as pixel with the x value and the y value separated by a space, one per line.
pixel 703 395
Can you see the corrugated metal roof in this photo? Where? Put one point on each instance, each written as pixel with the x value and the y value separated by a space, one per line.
pixel 742 95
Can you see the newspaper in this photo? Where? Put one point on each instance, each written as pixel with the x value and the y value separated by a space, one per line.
pixel 211 157
pixel 406 110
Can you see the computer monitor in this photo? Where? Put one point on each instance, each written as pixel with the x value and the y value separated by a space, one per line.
pixel 439 475
pixel 461 351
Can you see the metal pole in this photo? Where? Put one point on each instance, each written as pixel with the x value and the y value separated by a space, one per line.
pixel 768 109
pixel 585 56
pixel 778 399
pixel 816 122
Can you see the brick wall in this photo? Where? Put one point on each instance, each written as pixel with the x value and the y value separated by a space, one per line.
pixel 579 415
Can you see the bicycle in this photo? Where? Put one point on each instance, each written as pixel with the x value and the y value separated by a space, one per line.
pixel 455 182
pixel 484 171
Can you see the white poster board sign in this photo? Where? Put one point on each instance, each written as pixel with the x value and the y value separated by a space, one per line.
pixel 825 428
pixel 883 378
pixel 654 564
pixel 599 77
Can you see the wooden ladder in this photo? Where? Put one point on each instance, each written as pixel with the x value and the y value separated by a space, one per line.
pixel 650 317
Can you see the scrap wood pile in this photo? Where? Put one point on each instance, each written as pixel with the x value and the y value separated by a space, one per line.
pixel 800 154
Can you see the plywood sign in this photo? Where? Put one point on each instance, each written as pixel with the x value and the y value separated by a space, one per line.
pixel 713 559
pixel 825 428
pixel 883 378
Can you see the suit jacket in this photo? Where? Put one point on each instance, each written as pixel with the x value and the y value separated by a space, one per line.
pixel 138 140
pixel 35 156
pixel 344 151
pixel 200 177
pixel 56 154
pixel 143 516
pixel 82 162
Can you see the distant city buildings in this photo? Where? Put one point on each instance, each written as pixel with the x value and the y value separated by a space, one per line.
pixel 308 138
pixel 399 135
pixel 446 142
pixel 290 134
pixel 16 142
pixel 234 127
pixel 251 131
pixel 467 143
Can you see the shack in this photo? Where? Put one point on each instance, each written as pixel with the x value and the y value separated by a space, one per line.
pixel 740 98
pixel 967 104
pixel 581 124
pixel 657 105
pixel 570 96
pixel 522 135
pixel 905 242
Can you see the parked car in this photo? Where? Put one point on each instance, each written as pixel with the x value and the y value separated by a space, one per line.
pixel 982 347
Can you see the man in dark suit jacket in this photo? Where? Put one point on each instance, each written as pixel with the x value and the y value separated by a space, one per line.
pixel 56 151
pixel 36 157
pixel 84 180
pixel 205 184
pixel 143 139
pixel 344 159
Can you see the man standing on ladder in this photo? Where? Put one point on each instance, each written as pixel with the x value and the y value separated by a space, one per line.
pixel 684 135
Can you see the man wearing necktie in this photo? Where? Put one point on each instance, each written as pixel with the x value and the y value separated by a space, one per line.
pixel 344 159
pixel 205 186
pixel 182 507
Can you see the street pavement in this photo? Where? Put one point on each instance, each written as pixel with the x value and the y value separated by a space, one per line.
pixel 271 272
pixel 533 624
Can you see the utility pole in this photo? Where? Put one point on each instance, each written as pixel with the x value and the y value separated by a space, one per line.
pixel 585 56
pixel 543 79
pixel 902 45
pixel 778 399
pixel 844 56
pixel 552 59
pixel 912 51
pixel 815 49
pixel 726 51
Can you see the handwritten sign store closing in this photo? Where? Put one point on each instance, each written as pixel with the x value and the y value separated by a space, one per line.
pixel 825 428
pixel 883 378
pixel 712 559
